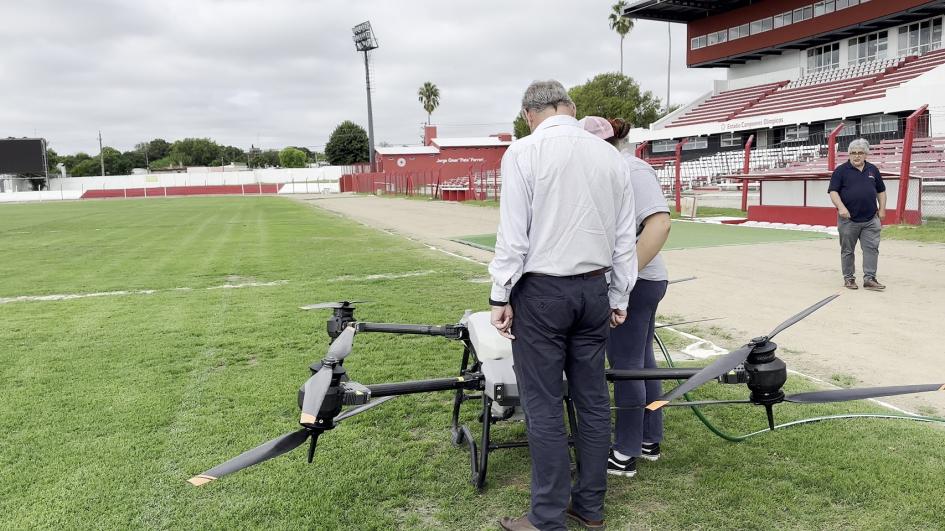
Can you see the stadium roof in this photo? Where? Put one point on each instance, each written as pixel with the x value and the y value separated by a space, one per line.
pixel 407 150
pixel 681 10
pixel 482 141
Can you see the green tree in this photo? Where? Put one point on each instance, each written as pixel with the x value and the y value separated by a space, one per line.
pixel 348 144
pixel 520 127
pixel 429 96
pixel 231 154
pixel 614 95
pixel 52 158
pixel 264 159
pixel 85 168
pixel 621 24
pixel 291 157
pixel 115 163
pixel 135 158
pixel 196 152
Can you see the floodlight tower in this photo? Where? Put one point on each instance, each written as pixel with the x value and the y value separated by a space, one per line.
pixel 365 41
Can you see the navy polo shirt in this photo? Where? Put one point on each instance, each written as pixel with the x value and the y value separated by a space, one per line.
pixel 857 189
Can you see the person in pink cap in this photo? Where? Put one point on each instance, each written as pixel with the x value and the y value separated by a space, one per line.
pixel 637 431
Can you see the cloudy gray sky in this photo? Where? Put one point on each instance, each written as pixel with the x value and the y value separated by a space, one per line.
pixel 285 72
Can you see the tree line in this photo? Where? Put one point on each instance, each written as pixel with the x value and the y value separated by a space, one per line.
pixel 159 154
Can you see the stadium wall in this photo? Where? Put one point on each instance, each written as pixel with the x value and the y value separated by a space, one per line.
pixel 843 18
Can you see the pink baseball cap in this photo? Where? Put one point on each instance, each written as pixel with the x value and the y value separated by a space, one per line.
pixel 597 126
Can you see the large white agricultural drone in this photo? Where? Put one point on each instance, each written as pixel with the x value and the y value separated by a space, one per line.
pixel 330 396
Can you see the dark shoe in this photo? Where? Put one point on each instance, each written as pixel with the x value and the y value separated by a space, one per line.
pixel 850 283
pixel 589 524
pixel 517 524
pixel 650 451
pixel 618 467
pixel 872 284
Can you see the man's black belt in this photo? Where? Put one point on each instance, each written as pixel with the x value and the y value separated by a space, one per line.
pixel 589 274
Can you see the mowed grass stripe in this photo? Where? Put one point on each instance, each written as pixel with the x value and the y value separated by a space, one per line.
pixel 691 235
pixel 110 404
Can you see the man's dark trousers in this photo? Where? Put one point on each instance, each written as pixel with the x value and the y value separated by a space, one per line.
pixel 560 325
pixel 868 234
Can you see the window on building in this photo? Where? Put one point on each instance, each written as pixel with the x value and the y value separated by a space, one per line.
pixel 761 26
pixel 696 142
pixel 717 37
pixel 823 58
pixel 823 8
pixel 849 127
pixel 843 4
pixel 699 42
pixel 920 37
pixel 731 139
pixel 803 13
pixel 879 123
pixel 796 133
pixel 867 48
pixel 783 19
pixel 663 146
pixel 738 32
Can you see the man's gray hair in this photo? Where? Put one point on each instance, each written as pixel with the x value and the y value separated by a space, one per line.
pixel 542 94
pixel 860 143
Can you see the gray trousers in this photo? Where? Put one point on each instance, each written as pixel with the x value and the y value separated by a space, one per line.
pixel 630 346
pixel 867 232
pixel 561 325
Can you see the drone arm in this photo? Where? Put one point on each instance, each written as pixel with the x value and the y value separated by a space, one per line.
pixel 448 331
pixel 469 381
pixel 619 375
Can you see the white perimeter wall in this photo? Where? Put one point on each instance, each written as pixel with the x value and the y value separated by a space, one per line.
pixel 294 181
pixel 791 193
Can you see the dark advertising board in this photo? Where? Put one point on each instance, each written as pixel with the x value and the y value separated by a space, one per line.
pixel 23 156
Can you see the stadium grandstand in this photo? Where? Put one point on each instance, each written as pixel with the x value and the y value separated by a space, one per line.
pixel 803 79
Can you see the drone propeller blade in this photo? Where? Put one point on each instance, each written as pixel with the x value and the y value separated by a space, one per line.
pixel 841 395
pixel 804 313
pixel 341 346
pixel 338 304
pixel 273 448
pixel 688 322
pixel 711 372
pixel 316 388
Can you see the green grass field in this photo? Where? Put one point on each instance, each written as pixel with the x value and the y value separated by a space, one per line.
pixel 110 403
pixel 689 235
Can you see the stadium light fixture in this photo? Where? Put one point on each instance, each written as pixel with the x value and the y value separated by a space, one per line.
pixel 365 41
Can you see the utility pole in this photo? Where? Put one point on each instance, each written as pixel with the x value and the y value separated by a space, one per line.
pixel 669 58
pixel 101 154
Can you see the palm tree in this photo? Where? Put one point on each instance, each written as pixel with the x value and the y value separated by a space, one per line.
pixel 429 96
pixel 621 24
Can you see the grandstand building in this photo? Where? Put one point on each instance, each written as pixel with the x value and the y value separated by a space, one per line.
pixel 796 70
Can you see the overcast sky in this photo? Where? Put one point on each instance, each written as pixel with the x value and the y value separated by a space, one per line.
pixel 285 72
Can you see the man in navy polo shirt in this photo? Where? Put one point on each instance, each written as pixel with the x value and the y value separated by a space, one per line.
pixel 855 189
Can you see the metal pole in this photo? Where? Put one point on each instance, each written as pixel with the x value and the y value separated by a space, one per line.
pixel 679 146
pixel 832 147
pixel 101 154
pixel 669 59
pixel 907 163
pixel 370 114
pixel 745 169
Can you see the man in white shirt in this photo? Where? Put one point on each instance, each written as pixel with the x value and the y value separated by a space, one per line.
pixel 566 220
